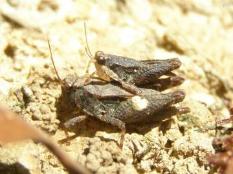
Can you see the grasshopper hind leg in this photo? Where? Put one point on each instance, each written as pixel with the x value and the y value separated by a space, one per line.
pixel 128 87
pixel 73 121
pixel 115 122
pixel 131 88
pixel 69 124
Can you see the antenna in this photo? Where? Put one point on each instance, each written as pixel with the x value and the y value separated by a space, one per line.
pixel 51 57
pixel 87 49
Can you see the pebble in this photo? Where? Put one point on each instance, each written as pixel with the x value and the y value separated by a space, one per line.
pixel 36 115
pixel 27 93
pixel 44 109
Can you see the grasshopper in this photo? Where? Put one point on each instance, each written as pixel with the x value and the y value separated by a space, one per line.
pixel 112 104
pixel 131 73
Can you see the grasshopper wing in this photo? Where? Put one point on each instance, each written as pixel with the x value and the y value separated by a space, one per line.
pixel 109 90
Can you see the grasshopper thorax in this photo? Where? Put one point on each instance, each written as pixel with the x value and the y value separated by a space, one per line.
pixel 72 89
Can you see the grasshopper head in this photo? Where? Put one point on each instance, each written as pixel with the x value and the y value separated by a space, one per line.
pixel 100 57
pixel 73 81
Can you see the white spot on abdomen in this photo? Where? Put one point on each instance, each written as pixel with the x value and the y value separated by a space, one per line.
pixel 139 103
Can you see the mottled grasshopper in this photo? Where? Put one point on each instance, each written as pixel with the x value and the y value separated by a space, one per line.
pixel 131 73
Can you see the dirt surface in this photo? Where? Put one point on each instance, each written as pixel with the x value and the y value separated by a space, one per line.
pixel 199 32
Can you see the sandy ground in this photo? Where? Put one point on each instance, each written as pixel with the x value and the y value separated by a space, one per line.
pixel 199 32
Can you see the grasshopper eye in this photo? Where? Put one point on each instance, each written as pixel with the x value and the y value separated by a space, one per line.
pixel 99 56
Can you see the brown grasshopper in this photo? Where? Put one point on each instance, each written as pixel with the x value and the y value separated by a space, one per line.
pixel 131 73
pixel 113 104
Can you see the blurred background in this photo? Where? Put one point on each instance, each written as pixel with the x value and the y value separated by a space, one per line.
pixel 198 32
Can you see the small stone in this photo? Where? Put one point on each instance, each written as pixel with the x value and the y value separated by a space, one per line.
pixel 92 163
pixel 27 91
pixel 36 115
pixel 44 109
pixel 35 88
pixel 27 94
pixel 107 158
pixel 46 66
